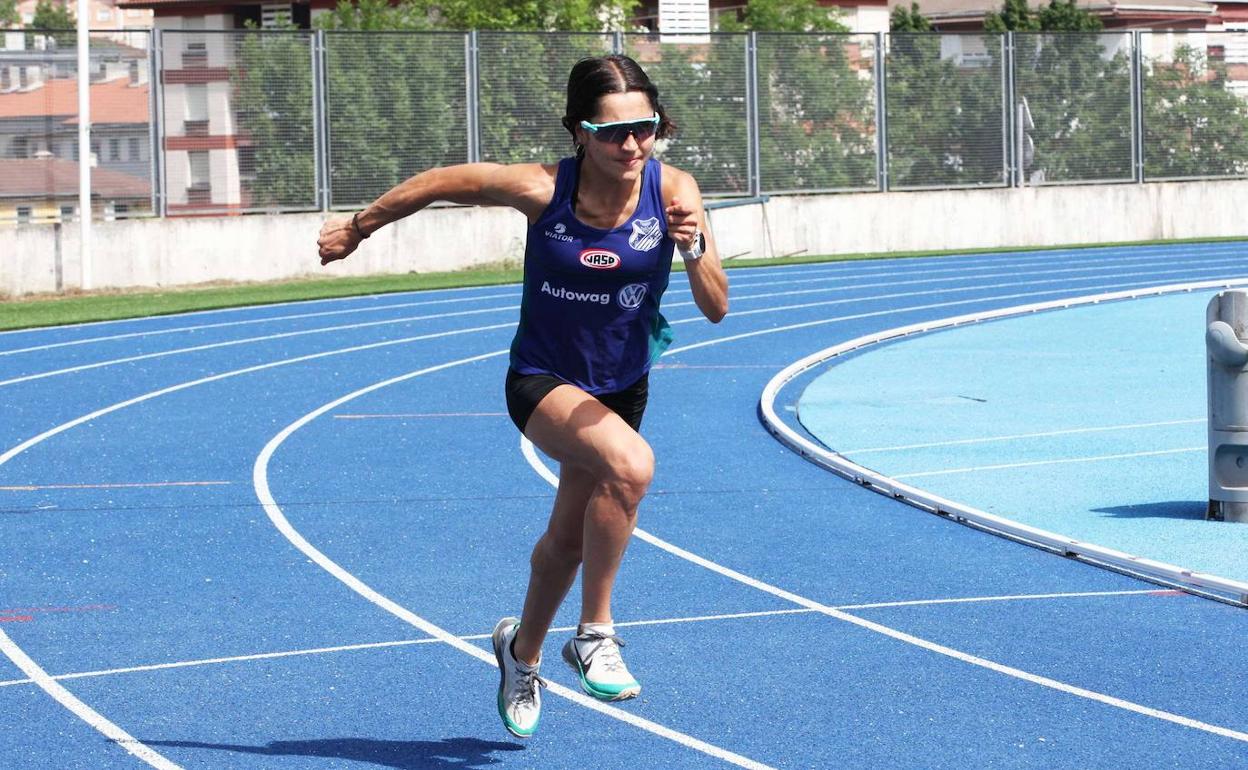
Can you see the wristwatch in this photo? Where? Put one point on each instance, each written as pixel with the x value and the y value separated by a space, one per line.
pixel 694 252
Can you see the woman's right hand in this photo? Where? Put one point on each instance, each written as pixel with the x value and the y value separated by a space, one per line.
pixel 337 240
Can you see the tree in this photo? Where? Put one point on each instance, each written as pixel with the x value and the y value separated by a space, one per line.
pixel 1193 125
pixel 944 111
pixel 273 103
pixel 784 16
pixel 1014 16
pixel 910 19
pixel 9 17
pixel 54 16
pixel 1058 16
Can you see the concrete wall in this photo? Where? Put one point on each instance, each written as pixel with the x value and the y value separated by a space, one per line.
pixel 183 251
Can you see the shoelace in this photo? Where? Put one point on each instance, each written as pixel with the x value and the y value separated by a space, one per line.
pixel 527 683
pixel 607 654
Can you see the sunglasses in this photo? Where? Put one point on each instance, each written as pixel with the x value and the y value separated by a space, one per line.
pixel 617 133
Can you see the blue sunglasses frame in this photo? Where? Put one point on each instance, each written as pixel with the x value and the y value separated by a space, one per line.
pixel 618 131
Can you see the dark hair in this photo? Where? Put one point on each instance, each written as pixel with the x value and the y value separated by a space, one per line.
pixel 594 77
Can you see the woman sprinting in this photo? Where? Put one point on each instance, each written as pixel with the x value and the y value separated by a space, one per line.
pixel 603 227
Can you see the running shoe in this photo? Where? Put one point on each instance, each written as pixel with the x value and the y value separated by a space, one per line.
pixel 594 654
pixel 519 686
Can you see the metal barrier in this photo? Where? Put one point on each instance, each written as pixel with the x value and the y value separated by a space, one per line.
pixel 212 122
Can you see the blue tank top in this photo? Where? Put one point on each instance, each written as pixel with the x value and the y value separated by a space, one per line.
pixel 590 311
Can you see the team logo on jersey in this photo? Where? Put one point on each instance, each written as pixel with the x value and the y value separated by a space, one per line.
pixel 560 233
pixel 600 259
pixel 631 296
pixel 646 234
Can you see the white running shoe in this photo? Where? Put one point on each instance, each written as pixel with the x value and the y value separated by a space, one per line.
pixel 519 687
pixel 594 654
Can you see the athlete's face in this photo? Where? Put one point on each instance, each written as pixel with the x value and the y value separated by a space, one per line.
pixel 620 159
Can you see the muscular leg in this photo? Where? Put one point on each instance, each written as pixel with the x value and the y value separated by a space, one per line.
pixel 606 468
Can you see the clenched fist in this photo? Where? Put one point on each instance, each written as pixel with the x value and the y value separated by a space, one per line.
pixel 337 240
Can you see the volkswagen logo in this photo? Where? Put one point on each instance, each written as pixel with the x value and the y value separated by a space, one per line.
pixel 631 296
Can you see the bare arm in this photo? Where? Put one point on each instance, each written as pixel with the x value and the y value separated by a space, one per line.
pixel 524 187
pixel 685 218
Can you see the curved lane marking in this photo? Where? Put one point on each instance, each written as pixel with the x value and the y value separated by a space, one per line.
pixel 15 653
pixel 530 454
pixel 264 494
pixel 1207 267
pixel 921 498
pixel 1021 436
pixel 81 710
pixel 229 324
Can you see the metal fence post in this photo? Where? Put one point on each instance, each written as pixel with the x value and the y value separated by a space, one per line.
pixel 472 90
pixel 754 170
pixel 1137 106
pixel 320 117
pixel 881 115
pixel 156 130
pixel 1011 128
pixel 617 42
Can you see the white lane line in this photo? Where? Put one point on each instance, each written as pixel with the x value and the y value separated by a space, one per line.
pixel 901 636
pixel 246 308
pixel 1008 598
pixel 274 511
pixel 906 267
pixel 80 709
pixel 1061 461
pixel 15 653
pixel 246 322
pixel 28 443
pixel 137 485
pixel 5 457
pixel 1020 436
pixel 416 415
pixel 1091 273
pixel 949 290
pixel 557 630
pixel 742 277
pixel 513 308
pixel 871 314
pixel 248 340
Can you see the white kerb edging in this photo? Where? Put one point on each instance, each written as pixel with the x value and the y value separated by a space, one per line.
pixel 1235 590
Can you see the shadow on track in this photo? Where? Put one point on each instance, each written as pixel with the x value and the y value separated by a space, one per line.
pixel 1170 509
pixel 402 755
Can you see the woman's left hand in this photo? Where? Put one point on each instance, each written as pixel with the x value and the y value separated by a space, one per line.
pixel 682 224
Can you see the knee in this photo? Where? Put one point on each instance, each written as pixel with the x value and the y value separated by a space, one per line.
pixel 629 475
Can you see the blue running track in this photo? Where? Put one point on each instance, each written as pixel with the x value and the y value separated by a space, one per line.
pixel 278 537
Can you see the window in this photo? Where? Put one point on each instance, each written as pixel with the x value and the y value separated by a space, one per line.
pixel 103 14
pixel 196 109
pixel 274 15
pixel 195 53
pixel 121 210
pixel 114 149
pixel 199 187
pixel 6 79
pixel 23 215
pixel 135 152
pixel 67 213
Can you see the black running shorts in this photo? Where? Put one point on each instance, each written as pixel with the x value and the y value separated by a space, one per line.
pixel 525 392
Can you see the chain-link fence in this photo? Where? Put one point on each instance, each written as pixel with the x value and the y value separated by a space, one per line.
pixel 207 122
